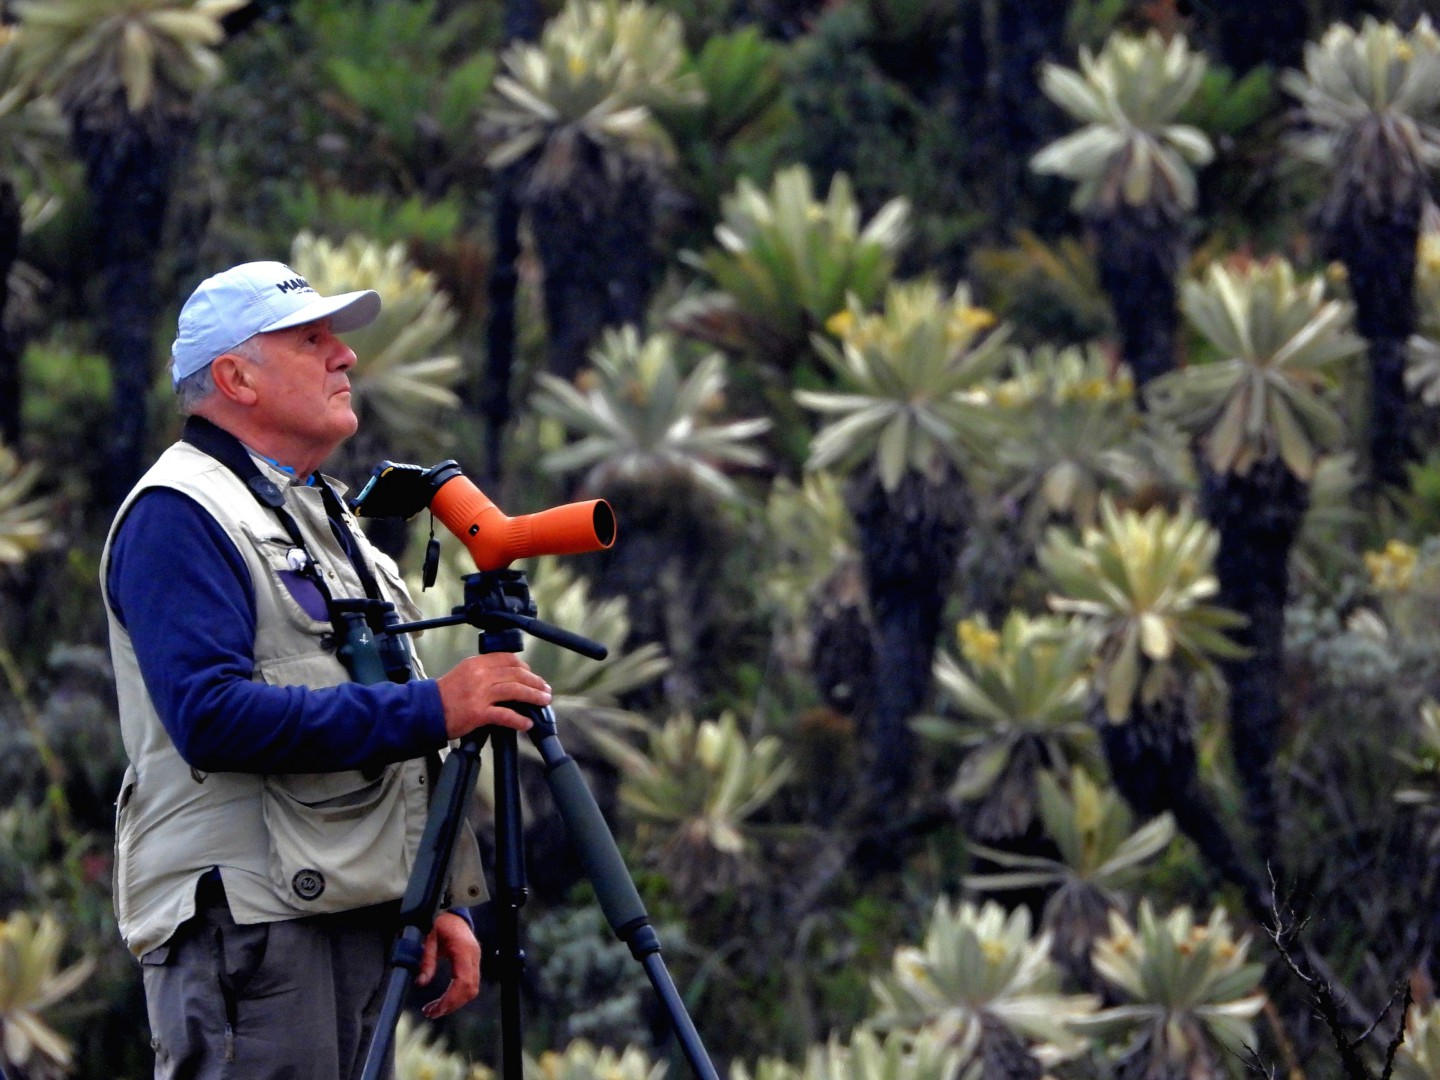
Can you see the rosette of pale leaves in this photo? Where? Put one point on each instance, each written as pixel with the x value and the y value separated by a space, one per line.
pixel 582 1060
pixel 899 1055
pixel 1101 853
pixel 1422 761
pixel 913 381
pixel 1325 544
pixel 1191 994
pixel 1130 150
pixel 595 73
pixel 979 967
pixel 1369 99
pixel 1139 583
pixel 23 525
pixel 30 983
pixel 1095 833
pixel 157 52
pixel 694 792
pixel 32 130
pixel 1028 681
pixel 585 692
pixel 811 534
pixel 785 262
pixel 1419 1055
pixel 401 380
pixel 1072 417
pixel 643 418
pixel 1279 340
pixel 421 1054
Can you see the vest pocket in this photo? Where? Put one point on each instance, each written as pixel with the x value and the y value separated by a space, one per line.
pixel 337 841
pixel 295 594
pixel 124 842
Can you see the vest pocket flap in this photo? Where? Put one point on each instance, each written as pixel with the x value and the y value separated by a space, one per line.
pixel 332 796
pixel 271 542
pixel 316 671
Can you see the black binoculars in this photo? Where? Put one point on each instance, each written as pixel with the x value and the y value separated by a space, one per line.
pixel 365 645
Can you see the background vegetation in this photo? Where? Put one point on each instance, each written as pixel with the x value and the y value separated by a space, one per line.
pixel 1022 424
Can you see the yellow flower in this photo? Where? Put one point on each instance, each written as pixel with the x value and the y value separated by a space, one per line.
pixel 1393 569
pixel 841 323
pixel 965 322
pixel 975 318
pixel 1011 394
pixel 978 643
pixel 1429 252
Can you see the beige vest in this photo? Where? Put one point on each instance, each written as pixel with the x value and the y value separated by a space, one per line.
pixel 287 845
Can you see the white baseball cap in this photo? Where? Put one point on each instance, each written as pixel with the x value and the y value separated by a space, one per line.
pixel 255 298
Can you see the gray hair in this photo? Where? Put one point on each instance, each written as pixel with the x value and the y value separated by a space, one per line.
pixel 196 388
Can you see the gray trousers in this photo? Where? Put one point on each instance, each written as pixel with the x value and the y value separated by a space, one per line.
pixel 293 1000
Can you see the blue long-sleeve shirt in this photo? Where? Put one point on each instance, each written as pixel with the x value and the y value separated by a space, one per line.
pixel 180 587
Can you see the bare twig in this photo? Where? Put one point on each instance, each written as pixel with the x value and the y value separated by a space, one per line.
pixel 1285 931
pixel 1399 1036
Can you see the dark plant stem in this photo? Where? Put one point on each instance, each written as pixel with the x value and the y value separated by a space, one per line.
pixel 129 162
pixel 1138 252
pixel 1258 516
pixel 593 239
pixel 1378 250
pixel 523 21
pixel 1151 757
pixel 500 330
pixel 1389 430
pixel 1004 1054
pixel 909 540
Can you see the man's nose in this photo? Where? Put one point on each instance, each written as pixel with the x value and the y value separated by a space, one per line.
pixel 342 357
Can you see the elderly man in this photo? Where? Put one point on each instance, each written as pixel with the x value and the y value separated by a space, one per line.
pixel 273 806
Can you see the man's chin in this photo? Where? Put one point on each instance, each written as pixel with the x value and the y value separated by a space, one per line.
pixel 346 422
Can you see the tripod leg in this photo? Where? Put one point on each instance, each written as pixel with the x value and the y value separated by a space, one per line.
pixel 425 890
pixel 614 888
pixel 511 892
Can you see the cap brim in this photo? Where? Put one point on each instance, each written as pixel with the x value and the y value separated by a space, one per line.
pixel 348 311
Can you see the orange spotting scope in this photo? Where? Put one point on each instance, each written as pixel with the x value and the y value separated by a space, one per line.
pixel 493 539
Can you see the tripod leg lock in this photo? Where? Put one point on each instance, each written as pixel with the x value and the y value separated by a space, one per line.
pixel 409 949
pixel 643 940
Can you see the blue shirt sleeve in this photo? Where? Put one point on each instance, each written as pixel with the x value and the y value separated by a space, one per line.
pixel 181 589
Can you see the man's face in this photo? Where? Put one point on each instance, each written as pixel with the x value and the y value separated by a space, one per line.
pixel 303 387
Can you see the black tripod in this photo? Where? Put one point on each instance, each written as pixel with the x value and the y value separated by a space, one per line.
pixel 498 603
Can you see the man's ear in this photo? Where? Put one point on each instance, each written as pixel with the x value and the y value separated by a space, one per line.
pixel 234 378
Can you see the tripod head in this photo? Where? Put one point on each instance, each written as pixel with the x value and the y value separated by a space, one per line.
pixel 493 539
pixel 498 602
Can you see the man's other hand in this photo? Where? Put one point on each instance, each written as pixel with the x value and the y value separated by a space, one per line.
pixel 452 938
pixel 472 691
